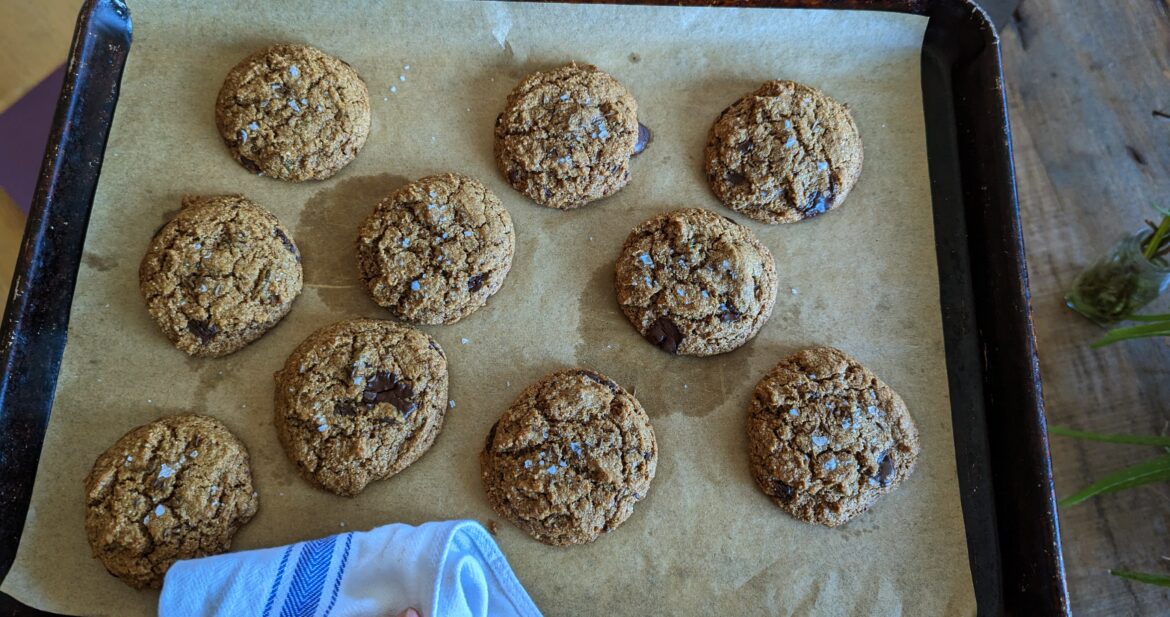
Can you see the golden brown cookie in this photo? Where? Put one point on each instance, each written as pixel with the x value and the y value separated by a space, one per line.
pixel 827 437
pixel 177 488
pixel 435 250
pixel 570 458
pixel 220 274
pixel 293 113
pixel 360 400
pixel 695 283
pixel 566 136
pixel 783 153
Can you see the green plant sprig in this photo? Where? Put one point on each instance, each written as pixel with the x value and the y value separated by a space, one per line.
pixel 1152 325
pixel 1143 577
pixel 1158 245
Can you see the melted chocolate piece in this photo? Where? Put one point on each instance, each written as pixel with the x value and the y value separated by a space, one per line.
pixel 598 379
pixel 344 408
pixel 730 315
pixel 665 335
pixel 644 139
pixel 886 469
pixel 384 387
pixel 746 146
pixel 475 283
pixel 729 219
pixel 203 330
pixel 818 204
pixel 249 164
pixel 288 244
pixel 736 178
pixel 513 177
pixel 782 491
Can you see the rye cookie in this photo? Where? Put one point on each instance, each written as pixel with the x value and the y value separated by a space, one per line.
pixel 219 274
pixel 570 458
pixel 566 136
pixel 695 283
pixel 293 112
pixel 783 153
pixel 177 488
pixel 827 438
pixel 435 250
pixel 359 401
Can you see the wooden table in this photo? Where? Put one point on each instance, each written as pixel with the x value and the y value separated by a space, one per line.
pixel 1089 90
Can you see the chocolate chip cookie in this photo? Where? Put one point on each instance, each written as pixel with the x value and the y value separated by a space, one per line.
pixel 435 250
pixel 177 488
pixel 220 274
pixel 827 437
pixel 695 283
pixel 360 400
pixel 783 153
pixel 566 136
pixel 293 113
pixel 570 458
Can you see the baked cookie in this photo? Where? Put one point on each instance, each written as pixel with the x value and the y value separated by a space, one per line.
pixel 783 153
pixel 293 113
pixel 219 274
pixel 435 250
pixel 695 283
pixel 570 458
pixel 360 400
pixel 177 488
pixel 566 136
pixel 827 437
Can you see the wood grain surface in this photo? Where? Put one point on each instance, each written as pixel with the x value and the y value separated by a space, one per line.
pixel 1089 93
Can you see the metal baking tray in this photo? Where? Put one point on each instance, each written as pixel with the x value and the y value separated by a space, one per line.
pixel 1005 475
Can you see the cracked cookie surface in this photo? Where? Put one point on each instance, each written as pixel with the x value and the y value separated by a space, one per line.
pixel 695 283
pixel 566 136
pixel 570 458
pixel 827 438
pixel 293 113
pixel 219 274
pixel 177 488
pixel 783 153
pixel 435 250
pixel 359 401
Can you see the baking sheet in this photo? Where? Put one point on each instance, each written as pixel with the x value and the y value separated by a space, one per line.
pixel 862 278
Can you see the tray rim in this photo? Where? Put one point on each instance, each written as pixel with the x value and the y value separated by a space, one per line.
pixel 37 312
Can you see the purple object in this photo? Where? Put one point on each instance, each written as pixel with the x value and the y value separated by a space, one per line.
pixel 24 131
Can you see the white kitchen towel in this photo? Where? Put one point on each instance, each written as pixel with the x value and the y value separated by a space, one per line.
pixel 450 568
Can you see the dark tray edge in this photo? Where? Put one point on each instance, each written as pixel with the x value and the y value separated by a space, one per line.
pixel 971 167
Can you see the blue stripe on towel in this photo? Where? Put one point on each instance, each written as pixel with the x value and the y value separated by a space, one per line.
pixel 340 573
pixel 276 583
pixel 308 579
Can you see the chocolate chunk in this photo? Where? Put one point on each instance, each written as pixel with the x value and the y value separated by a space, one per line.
pixel 817 204
pixel 665 335
pixel 782 491
pixel 203 330
pixel 384 387
pixel 886 469
pixel 249 164
pixel 344 408
pixel 730 315
pixel 746 146
pixel 736 178
pixel 513 177
pixel 475 283
pixel 644 139
pixel 598 379
pixel 288 244
pixel 729 219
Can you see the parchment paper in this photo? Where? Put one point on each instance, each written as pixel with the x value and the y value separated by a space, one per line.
pixel 705 540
